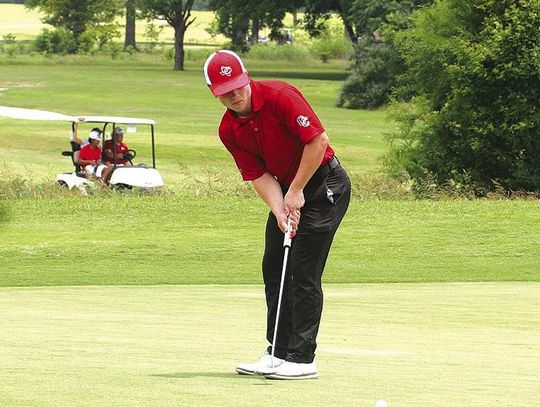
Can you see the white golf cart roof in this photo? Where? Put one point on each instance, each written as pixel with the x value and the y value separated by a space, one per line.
pixel 32 114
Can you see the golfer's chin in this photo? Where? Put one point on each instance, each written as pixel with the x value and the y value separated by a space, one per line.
pixel 241 109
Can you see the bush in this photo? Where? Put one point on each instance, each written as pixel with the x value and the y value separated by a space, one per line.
pixel 474 65
pixel 374 74
pixel 87 41
pixel 57 41
pixel 332 44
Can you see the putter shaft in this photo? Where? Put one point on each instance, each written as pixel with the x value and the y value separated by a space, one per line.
pixel 287 244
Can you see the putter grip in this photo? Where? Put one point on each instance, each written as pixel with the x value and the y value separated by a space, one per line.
pixel 287 239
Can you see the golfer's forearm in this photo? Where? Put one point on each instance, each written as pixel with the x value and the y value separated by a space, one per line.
pixel 270 192
pixel 311 160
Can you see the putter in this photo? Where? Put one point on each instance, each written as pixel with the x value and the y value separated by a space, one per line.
pixel 287 245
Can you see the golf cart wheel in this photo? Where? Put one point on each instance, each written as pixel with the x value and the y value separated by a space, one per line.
pixel 63 184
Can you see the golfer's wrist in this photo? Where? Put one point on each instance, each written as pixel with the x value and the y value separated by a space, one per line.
pixel 295 189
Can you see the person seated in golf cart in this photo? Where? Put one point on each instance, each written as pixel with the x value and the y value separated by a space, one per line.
pixel 90 157
pixel 80 142
pixel 114 150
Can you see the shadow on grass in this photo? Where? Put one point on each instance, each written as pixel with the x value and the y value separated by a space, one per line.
pixel 323 76
pixel 257 380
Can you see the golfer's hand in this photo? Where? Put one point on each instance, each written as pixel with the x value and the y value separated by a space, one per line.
pixel 293 201
pixel 283 219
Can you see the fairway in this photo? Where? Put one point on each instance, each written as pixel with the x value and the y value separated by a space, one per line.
pixel 457 344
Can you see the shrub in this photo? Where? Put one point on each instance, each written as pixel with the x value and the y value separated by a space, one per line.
pixel 374 73
pixel 57 41
pixel 87 40
pixel 332 43
pixel 474 65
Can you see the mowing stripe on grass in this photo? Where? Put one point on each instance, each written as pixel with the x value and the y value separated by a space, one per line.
pixel 415 345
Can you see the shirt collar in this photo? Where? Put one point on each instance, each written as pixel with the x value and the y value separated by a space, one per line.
pixel 257 101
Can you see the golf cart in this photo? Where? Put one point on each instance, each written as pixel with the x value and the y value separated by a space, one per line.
pixel 126 176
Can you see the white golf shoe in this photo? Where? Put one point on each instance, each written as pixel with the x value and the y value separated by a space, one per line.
pixel 294 371
pixel 264 365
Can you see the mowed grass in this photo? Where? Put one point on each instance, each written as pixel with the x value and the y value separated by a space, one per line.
pixel 179 239
pixel 414 345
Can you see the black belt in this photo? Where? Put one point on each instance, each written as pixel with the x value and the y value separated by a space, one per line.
pixel 328 168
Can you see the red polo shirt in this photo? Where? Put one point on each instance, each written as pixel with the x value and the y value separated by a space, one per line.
pixel 88 153
pixel 121 149
pixel 273 138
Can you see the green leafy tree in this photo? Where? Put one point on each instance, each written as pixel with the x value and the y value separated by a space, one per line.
pixel 241 21
pixel 472 84
pixel 318 11
pixel 177 13
pixel 78 16
pixel 233 18
pixel 376 62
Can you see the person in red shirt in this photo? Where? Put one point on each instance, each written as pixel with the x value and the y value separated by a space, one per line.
pixel 280 145
pixel 90 157
pixel 121 148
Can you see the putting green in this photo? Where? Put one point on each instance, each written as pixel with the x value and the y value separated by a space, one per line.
pixel 450 344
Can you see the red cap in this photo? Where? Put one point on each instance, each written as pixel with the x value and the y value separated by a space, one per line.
pixel 224 71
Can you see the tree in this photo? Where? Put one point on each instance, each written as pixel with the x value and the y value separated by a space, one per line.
pixel 233 21
pixel 77 16
pixel 472 84
pixel 241 21
pixel 317 11
pixel 376 63
pixel 177 13
pixel 129 40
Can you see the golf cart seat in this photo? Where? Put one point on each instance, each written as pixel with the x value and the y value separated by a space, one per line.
pixel 74 154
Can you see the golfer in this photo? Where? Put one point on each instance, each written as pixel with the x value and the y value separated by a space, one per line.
pixel 280 145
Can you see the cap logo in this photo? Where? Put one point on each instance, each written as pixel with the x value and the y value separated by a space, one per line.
pixel 225 70
pixel 303 121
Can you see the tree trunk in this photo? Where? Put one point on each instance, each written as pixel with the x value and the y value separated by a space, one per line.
pixel 179 31
pixel 349 30
pixel 129 40
pixel 240 31
pixel 254 32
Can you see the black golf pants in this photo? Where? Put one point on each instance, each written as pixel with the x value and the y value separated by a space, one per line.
pixel 327 197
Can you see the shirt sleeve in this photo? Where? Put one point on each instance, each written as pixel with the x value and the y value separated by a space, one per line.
pixel 298 115
pixel 250 167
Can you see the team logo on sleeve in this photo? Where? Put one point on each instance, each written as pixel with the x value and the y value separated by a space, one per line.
pixel 303 121
pixel 225 70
